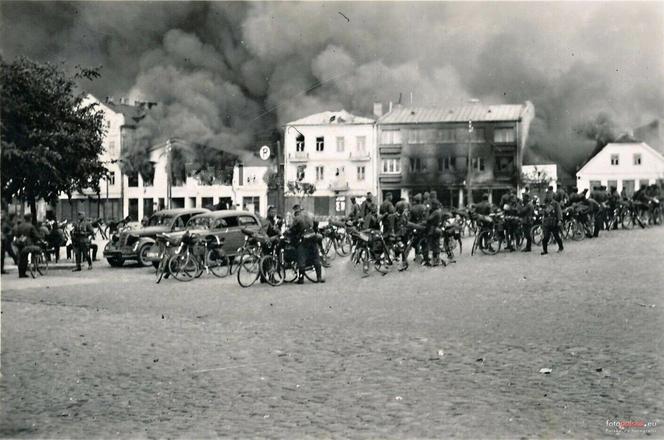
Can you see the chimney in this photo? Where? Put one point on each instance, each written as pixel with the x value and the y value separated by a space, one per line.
pixel 390 105
pixel 378 109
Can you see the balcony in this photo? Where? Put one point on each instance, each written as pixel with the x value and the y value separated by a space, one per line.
pixel 389 178
pixel 298 156
pixel 390 149
pixel 359 157
pixel 338 186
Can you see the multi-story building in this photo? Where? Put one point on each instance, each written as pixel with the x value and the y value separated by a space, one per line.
pixel 424 149
pixel 335 151
pixel 627 166
pixel 241 186
pixel 120 122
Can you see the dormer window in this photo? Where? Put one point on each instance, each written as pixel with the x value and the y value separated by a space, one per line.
pixel 614 159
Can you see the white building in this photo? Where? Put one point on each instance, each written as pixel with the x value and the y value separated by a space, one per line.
pixel 335 151
pixel 623 165
pixel 121 195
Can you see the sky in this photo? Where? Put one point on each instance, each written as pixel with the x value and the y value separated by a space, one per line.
pixel 224 73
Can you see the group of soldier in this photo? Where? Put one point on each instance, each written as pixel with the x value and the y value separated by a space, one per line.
pixel 25 237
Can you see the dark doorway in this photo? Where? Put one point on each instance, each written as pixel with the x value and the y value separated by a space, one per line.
pixel 396 194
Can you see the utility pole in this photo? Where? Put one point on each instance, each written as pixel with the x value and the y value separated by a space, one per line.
pixel 168 174
pixel 280 181
pixel 469 165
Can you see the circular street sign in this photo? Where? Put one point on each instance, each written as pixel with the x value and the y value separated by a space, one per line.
pixel 265 152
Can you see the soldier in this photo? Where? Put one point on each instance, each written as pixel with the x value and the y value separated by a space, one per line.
pixel 434 220
pixel 27 237
pixel 426 201
pixel 563 198
pixel 7 240
pixel 307 247
pixel 355 211
pixel 418 215
pixel 80 238
pixel 526 212
pixel 551 224
pixel 578 197
pixel 484 207
pixel 596 211
pixel 273 227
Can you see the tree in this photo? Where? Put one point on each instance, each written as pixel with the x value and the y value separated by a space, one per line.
pixel 51 140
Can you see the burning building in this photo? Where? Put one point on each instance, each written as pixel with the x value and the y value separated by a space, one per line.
pixel 450 150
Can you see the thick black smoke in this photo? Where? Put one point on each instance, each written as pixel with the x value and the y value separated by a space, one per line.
pixel 225 73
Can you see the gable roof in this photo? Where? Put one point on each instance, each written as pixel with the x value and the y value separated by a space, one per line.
pixel 471 112
pixel 623 145
pixel 332 118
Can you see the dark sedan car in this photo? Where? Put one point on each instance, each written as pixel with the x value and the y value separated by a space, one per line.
pixel 135 244
pixel 224 224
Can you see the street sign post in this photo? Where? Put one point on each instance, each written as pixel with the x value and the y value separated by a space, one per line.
pixel 264 152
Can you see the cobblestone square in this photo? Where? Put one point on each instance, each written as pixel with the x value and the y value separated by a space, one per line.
pixel 428 353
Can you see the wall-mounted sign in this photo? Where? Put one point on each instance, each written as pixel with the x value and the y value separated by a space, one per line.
pixel 265 152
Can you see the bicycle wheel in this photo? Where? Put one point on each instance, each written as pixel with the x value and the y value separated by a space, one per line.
pixel 537 234
pixel 41 264
pixel 328 249
pixel 344 245
pixel 578 232
pixel 310 273
pixel 489 243
pixel 183 267
pixel 248 270
pixel 271 270
pixel 218 263
pixel 162 268
pixel 290 271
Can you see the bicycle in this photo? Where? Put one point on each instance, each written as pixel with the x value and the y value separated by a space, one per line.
pixel 280 264
pixel 187 263
pixel 37 261
pixel 488 238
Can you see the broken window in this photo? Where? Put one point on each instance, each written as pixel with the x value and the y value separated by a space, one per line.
pixel 299 143
pixel 300 172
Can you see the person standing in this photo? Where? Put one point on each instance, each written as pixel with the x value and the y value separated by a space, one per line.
pixel 526 212
pixel 307 247
pixel 355 210
pixel 434 220
pixel 386 215
pixel 27 237
pixel 551 224
pixel 273 227
pixel 80 237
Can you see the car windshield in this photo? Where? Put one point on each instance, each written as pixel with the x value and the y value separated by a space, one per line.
pixel 199 223
pixel 160 220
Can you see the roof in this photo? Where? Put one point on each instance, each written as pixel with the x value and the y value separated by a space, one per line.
pixel 133 114
pixel 471 112
pixel 330 118
pixel 178 211
pixel 623 145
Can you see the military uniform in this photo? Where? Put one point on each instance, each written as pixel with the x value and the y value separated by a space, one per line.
pixel 483 208
pixel 387 216
pixel 526 212
pixel 433 222
pixel 80 238
pixel 27 238
pixel 551 224
pixel 307 247
pixel 273 228
pixel 355 212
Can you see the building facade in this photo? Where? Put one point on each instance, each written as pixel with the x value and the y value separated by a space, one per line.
pixel 627 166
pixel 451 149
pixel 124 195
pixel 335 151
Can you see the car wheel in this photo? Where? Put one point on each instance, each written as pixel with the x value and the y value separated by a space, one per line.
pixel 115 262
pixel 142 255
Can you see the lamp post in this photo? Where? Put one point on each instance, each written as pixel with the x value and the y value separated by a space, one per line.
pixel 469 165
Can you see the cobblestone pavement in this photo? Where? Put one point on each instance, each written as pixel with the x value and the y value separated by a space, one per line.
pixel 443 352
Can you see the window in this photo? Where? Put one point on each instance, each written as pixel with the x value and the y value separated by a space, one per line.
pixel 504 135
pixel 614 159
pixel 111 147
pixel 361 144
pixel 240 174
pixel 361 173
pixel 477 135
pixel 390 137
pixel 111 178
pixel 341 144
pixel 637 159
pixel 320 173
pixel 300 172
pixel 421 136
pixel 320 143
pixel 299 143
pixel 132 179
pixel 391 166
pixel 251 204
pixel 340 171
pixel 643 183
pixel 505 164
pixel 443 164
pixel 445 135
pixel 477 163
pixel 417 165
pixel 595 184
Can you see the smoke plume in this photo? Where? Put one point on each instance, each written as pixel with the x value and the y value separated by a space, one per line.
pixel 226 73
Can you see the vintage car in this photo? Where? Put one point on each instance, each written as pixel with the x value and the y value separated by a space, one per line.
pixel 225 224
pixel 134 244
